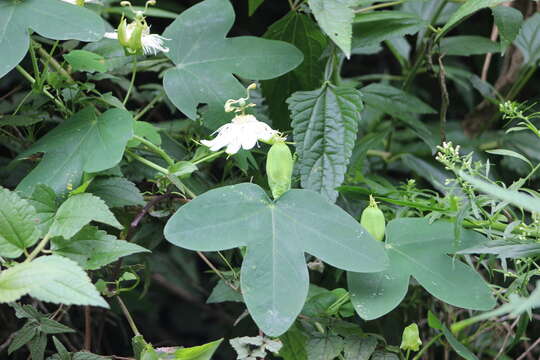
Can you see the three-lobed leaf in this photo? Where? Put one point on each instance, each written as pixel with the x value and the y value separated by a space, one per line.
pixel 206 60
pixel 274 276
pixel 419 249
pixel 53 19
pixel 87 142
pixel 325 125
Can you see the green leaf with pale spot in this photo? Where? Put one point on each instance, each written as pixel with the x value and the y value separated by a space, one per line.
pixel 79 210
pixel 53 19
pixel 52 279
pixel 274 276
pixel 206 60
pixel 335 17
pixel 419 249
pixel 84 143
pixel 325 125
pixel 18 224
pixel 92 248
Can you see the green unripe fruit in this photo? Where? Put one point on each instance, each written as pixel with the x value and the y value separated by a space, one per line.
pixel 279 168
pixel 373 220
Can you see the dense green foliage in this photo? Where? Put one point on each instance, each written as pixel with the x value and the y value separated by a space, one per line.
pixel 269 179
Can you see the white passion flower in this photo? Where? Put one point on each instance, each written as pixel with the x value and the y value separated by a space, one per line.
pixel 135 37
pixel 244 131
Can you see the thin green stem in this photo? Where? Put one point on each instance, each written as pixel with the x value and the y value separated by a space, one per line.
pixel 181 186
pixel 148 107
pixel 37 74
pixel 379 6
pixel 40 246
pixel 128 316
pixel 209 157
pixel 147 162
pixel 49 59
pixel 156 149
pixel 132 83
pixel 424 349
pixel 31 80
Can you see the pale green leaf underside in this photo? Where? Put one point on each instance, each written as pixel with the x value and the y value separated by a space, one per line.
pixel 419 249
pixel 335 17
pixel 52 279
pixel 206 60
pixel 85 142
pixel 325 124
pixel 274 277
pixel 53 19
pixel 92 248
pixel 79 210
pixel 18 224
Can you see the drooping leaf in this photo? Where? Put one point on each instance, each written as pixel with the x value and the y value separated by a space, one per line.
pixel 325 125
pixel 79 210
pixel 116 191
pixel 274 277
pixel 335 17
pixel 85 142
pixel 61 281
pixel 372 28
pixel 458 347
pixel 206 60
pixel 92 248
pixel 53 19
pixel 417 248
pixel 82 60
pixel 528 40
pixel 508 21
pixel 468 8
pixel 465 45
pixel 298 29
pixel 18 224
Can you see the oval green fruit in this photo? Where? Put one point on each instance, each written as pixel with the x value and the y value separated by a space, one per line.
pixel 279 168
pixel 373 220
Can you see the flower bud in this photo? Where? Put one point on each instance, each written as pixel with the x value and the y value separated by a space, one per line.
pixel 373 220
pixel 279 168
pixel 411 338
pixel 130 35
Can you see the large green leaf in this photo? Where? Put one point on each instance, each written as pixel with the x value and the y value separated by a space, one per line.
pixel 18 224
pixel 92 248
pixel 85 142
pixel 298 29
pixel 335 17
pixel 49 278
pixel 43 199
pixel 206 60
pixel 79 210
pixel 528 40
pixel 417 248
pixel 508 21
pixel 325 123
pixel 53 19
pixel 465 10
pixel 274 277
pixel 116 191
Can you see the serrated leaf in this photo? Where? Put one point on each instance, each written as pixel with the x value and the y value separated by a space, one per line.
pixel 85 142
pixel 116 191
pixel 359 348
pixel 528 40
pixel 61 281
pixel 372 28
pixel 508 21
pixel 23 336
pixel 206 60
pixel 43 199
pixel 18 224
pixel 53 19
pixel 37 346
pixel 274 277
pixel 325 125
pixel 79 210
pixel 335 17
pixel 92 248
pixel 49 326
pixel 301 31
pixel 82 60
pixel 324 347
pixel 419 249
pixel 468 8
